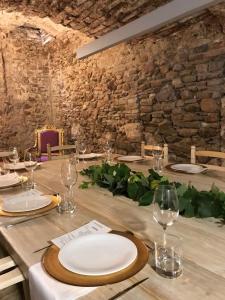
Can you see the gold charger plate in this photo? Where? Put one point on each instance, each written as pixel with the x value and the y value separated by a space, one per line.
pixel 53 267
pixel 23 179
pixel 53 204
pixel 169 167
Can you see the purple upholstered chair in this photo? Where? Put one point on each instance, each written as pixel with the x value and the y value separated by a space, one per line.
pixel 47 135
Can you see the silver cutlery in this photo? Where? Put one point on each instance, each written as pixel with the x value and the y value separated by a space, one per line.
pixel 8 226
pixel 127 289
pixel 45 247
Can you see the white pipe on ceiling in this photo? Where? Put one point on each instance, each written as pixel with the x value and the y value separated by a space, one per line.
pixel 164 15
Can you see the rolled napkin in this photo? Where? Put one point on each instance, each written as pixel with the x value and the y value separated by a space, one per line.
pixel 45 287
pixel 9 179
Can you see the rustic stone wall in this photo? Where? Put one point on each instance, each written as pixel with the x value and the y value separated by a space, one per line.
pixel 24 103
pixel 161 88
pixel 164 88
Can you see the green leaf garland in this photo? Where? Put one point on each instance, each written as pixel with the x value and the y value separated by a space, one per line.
pixel 121 180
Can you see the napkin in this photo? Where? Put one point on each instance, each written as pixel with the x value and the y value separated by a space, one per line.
pixel 9 179
pixel 45 287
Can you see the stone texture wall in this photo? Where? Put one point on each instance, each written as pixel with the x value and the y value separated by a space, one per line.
pixel 24 101
pixel 164 88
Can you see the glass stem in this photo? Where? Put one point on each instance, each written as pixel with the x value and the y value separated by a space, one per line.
pixel 32 178
pixel 164 236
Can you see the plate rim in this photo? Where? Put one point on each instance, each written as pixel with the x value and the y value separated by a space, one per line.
pixel 21 168
pixel 52 266
pixel 169 167
pixel 54 203
pixel 30 210
pixel 140 158
pixel 22 179
pixel 65 265
pixel 94 155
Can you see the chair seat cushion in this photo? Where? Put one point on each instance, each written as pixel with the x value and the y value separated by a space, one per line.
pixel 48 137
pixel 43 158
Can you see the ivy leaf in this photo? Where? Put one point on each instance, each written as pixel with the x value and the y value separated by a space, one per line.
pixel 84 185
pixel 146 199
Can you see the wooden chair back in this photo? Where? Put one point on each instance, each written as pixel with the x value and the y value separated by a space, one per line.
pixel 48 135
pixel 205 153
pixel 59 150
pixel 145 148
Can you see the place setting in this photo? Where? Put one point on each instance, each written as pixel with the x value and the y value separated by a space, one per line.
pixel 96 259
pixel 27 200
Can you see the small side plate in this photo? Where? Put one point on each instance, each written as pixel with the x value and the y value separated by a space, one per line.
pixel 187 168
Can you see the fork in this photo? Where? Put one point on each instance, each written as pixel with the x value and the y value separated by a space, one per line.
pixel 128 289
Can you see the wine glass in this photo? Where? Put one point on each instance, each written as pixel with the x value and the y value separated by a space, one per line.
pixel 82 149
pixel 108 151
pixel 69 178
pixel 14 157
pixel 157 154
pixel 165 207
pixel 30 163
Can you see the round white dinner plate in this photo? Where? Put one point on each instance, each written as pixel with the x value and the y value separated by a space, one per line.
pixel 130 158
pixel 25 203
pixel 90 155
pixel 17 166
pixel 188 168
pixel 9 180
pixel 98 254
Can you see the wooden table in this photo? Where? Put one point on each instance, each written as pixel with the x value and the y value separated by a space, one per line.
pixel 203 240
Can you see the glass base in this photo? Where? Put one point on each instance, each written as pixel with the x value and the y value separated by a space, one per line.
pixel 66 208
pixel 167 270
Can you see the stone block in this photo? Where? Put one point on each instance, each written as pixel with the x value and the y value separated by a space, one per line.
pixel 166 93
pixel 187 132
pixel 209 105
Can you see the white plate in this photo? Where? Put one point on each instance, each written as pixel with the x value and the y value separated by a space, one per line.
pixel 188 168
pixel 90 155
pixel 9 180
pixel 98 254
pixel 130 158
pixel 25 203
pixel 17 166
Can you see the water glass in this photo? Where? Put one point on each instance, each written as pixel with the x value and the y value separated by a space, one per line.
pixel 14 157
pixel 68 178
pixel 30 163
pixel 4 168
pixel 108 152
pixel 158 164
pixel 167 258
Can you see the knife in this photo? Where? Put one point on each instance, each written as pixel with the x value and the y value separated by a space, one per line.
pixel 7 226
pixel 127 289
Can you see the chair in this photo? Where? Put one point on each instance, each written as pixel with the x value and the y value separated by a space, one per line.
pixel 59 149
pixel 205 153
pixel 11 277
pixel 47 135
pixel 164 149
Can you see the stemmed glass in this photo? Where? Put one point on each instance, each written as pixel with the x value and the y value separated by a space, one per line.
pixel 30 163
pixel 165 207
pixel 69 178
pixel 108 151
pixel 82 149
pixel 157 154
pixel 14 157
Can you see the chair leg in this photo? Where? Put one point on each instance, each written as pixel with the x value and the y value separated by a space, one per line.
pixel 193 156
